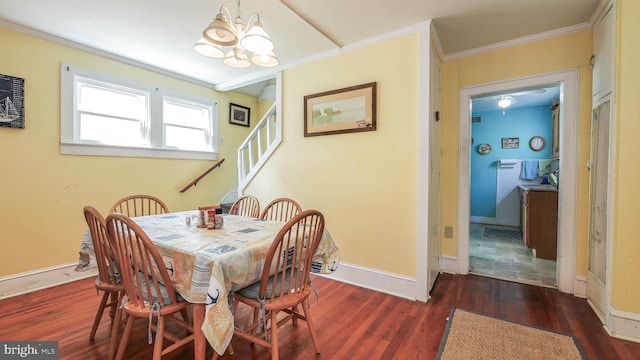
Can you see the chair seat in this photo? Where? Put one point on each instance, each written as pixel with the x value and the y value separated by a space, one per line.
pixel 164 293
pixel 252 291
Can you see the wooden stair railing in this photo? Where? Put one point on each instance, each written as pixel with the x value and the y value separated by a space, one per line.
pixel 195 182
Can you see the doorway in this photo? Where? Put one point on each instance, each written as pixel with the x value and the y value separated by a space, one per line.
pixel 524 118
pixel 567 196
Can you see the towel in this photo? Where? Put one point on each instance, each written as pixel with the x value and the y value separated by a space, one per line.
pixel 529 169
pixel 544 167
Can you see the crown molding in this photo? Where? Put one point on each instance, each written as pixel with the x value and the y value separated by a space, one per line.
pixel 598 12
pixel 520 41
pixel 105 54
pixel 249 79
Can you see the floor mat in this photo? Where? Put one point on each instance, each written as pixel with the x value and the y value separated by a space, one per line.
pixel 503 234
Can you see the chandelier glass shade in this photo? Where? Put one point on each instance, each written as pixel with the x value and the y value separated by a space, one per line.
pixel 204 47
pixel 242 39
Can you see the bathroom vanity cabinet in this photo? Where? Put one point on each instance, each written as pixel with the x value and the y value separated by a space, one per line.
pixel 539 219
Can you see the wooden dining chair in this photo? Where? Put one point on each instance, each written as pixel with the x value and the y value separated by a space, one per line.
pixel 108 280
pixel 246 205
pixel 139 205
pixel 281 209
pixel 289 258
pixel 148 287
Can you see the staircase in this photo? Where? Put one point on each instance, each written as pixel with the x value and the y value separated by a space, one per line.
pixel 259 146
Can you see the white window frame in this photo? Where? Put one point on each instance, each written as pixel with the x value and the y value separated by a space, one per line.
pixel 178 99
pixel 70 143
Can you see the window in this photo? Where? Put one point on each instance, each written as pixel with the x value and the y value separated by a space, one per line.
pixel 111 115
pixel 106 115
pixel 187 125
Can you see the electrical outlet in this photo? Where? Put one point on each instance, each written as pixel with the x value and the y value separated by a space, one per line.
pixel 448 231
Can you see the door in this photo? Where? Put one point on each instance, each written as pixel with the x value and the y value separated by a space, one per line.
pixel 604 49
pixel 598 237
pixel 433 262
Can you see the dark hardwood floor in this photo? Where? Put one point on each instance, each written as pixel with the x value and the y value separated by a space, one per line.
pixel 352 322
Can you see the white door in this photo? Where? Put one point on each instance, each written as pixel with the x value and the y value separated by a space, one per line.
pixel 604 50
pixel 598 238
pixel 433 263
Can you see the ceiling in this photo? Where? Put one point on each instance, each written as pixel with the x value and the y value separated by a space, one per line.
pixel 525 97
pixel 160 33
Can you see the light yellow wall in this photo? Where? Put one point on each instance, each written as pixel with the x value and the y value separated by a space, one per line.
pixel 626 227
pixel 364 183
pixel 560 53
pixel 42 193
pixel 263 106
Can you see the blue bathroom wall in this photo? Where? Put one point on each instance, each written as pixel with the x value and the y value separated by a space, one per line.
pixel 521 123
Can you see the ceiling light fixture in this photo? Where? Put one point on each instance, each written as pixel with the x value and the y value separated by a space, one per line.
pixel 504 102
pixel 241 39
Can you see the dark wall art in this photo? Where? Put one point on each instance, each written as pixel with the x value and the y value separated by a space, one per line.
pixel 11 101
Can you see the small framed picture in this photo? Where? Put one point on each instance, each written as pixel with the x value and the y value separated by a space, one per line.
pixel 510 143
pixel 484 149
pixel 239 115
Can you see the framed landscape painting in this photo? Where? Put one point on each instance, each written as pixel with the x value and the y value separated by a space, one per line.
pixel 351 109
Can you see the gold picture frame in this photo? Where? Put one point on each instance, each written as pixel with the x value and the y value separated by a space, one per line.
pixel 351 109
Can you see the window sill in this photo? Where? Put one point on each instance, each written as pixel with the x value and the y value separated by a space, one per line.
pixel 105 150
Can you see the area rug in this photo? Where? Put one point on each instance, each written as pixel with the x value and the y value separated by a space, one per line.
pixel 502 235
pixel 473 336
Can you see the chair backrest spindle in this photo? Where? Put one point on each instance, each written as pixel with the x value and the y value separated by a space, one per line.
pixel 105 252
pixel 139 205
pixel 247 205
pixel 291 255
pixel 281 209
pixel 144 276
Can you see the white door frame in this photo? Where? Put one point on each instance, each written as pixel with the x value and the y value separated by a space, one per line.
pixel 424 217
pixel 567 195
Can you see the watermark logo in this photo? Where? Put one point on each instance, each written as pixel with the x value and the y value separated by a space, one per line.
pixel 32 350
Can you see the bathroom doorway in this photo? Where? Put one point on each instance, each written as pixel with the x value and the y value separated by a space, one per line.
pixel 567 194
pixel 510 129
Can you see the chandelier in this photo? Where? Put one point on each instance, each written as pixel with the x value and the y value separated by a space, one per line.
pixel 242 39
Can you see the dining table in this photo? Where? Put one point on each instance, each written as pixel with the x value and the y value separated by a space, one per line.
pixel 208 265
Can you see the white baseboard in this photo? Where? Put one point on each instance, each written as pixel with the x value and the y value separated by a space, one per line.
pixel 619 324
pixel 580 287
pixel 449 264
pixel 30 281
pixel 623 325
pixel 494 221
pixel 389 283
pixel 393 284
pixel 483 220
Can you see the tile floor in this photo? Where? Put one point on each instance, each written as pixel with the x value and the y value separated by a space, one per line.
pixel 507 260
